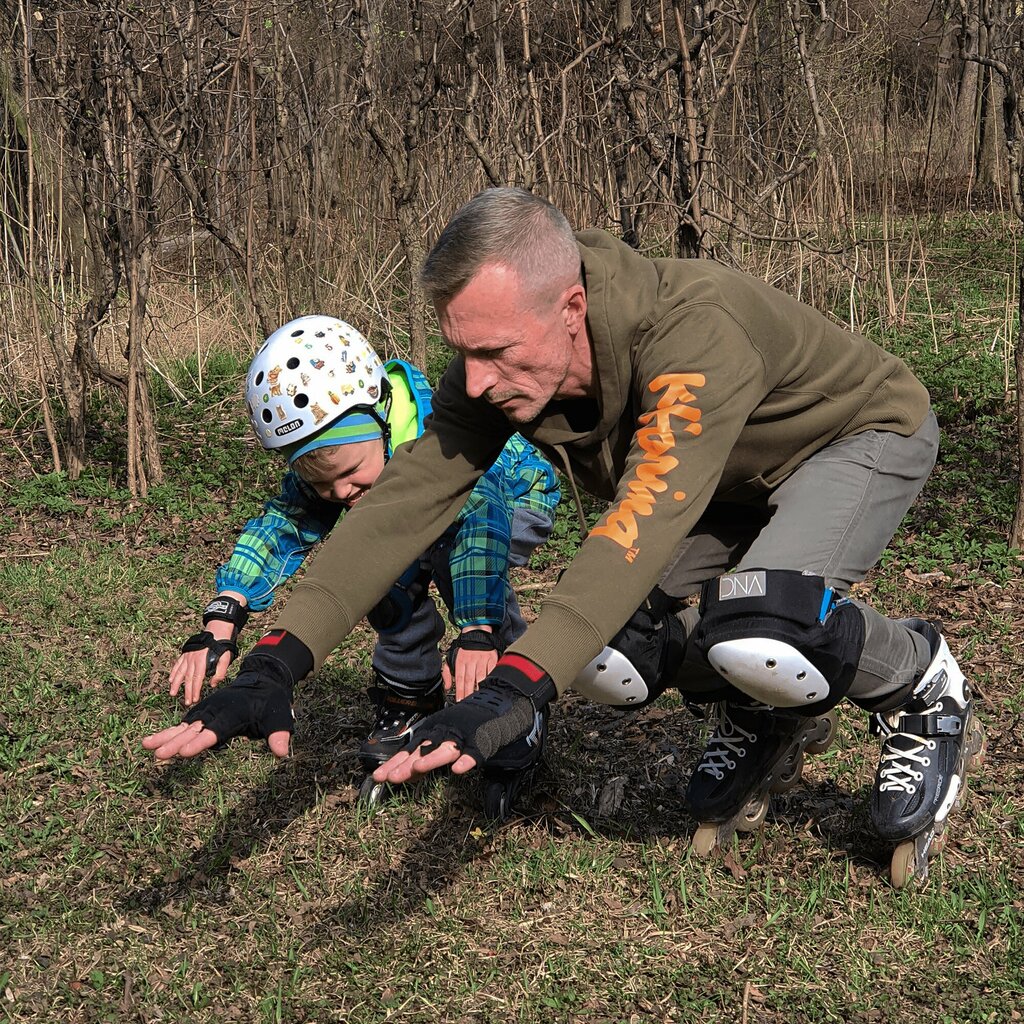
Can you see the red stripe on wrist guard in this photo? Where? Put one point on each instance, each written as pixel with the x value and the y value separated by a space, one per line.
pixel 272 638
pixel 530 669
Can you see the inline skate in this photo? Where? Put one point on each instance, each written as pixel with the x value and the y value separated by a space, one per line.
pixel 399 709
pixel 929 744
pixel 754 751
pixel 507 771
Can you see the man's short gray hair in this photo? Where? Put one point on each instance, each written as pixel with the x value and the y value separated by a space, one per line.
pixel 506 226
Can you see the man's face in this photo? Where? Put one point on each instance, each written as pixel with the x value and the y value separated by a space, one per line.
pixel 350 471
pixel 518 350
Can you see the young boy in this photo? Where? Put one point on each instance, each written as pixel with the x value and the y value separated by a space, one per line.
pixel 318 393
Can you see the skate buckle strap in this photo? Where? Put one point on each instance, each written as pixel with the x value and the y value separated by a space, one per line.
pixel 387 698
pixel 931 725
pixel 929 690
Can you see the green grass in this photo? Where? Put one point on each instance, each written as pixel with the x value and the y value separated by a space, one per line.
pixel 238 889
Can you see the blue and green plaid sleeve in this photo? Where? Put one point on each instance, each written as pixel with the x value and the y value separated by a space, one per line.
pixel 530 478
pixel 272 546
pixel 519 478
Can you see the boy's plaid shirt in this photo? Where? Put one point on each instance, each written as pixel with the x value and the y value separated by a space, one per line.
pixel 273 545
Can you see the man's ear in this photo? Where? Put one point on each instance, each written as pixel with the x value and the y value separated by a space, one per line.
pixel 575 308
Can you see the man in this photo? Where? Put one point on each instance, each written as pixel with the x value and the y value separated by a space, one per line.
pixel 730 428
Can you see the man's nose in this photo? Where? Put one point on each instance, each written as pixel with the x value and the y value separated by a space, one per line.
pixel 478 379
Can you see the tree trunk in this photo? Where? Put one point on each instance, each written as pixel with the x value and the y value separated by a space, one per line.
pixel 1017 530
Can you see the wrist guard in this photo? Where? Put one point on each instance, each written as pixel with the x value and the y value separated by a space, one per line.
pixel 258 701
pixel 226 609
pixel 502 711
pixel 214 649
pixel 472 640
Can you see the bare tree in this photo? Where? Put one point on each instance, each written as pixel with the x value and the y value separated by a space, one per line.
pixel 397 117
pixel 1004 24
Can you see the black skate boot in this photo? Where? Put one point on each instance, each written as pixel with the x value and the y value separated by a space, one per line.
pixel 928 745
pixel 399 710
pixel 754 751
pixel 507 771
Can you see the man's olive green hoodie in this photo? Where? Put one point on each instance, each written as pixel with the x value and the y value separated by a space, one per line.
pixel 711 386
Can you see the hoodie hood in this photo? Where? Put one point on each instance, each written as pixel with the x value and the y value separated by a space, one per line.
pixel 607 263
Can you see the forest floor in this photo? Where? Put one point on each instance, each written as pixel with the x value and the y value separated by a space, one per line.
pixel 234 888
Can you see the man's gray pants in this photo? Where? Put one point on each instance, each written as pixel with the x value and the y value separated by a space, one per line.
pixel 833 517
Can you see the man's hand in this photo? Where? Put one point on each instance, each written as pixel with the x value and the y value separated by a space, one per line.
pixel 189 739
pixel 465 734
pixel 406 765
pixel 256 704
pixel 471 657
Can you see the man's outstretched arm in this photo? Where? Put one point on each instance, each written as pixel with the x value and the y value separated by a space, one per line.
pixel 256 704
pixel 466 734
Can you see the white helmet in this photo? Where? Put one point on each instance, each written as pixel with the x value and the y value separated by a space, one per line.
pixel 306 375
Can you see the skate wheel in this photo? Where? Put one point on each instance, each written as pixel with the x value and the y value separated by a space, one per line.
pixel 977 743
pixel 903 867
pixel 753 815
pixel 497 801
pixel 789 776
pixel 828 724
pixel 371 792
pixel 705 840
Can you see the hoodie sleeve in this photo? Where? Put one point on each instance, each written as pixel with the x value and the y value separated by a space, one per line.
pixel 697 377
pixel 414 501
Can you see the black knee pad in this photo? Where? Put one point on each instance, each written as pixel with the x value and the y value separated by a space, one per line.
pixel 632 670
pixel 782 637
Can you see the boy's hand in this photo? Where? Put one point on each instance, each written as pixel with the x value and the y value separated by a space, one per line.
pixel 471 657
pixel 465 734
pixel 257 703
pixel 214 648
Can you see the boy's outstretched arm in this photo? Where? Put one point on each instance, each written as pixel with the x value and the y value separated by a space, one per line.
pixel 257 703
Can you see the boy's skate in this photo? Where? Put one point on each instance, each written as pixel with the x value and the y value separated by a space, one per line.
pixel 929 743
pixel 755 750
pixel 508 770
pixel 399 710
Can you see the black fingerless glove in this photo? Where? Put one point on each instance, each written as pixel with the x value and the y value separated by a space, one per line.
pixel 214 649
pixel 473 640
pixel 499 713
pixel 258 701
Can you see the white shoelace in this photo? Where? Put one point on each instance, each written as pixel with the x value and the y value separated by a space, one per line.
pixel 724 740
pixel 898 772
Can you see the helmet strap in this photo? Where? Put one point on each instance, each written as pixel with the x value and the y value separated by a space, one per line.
pixel 385 427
